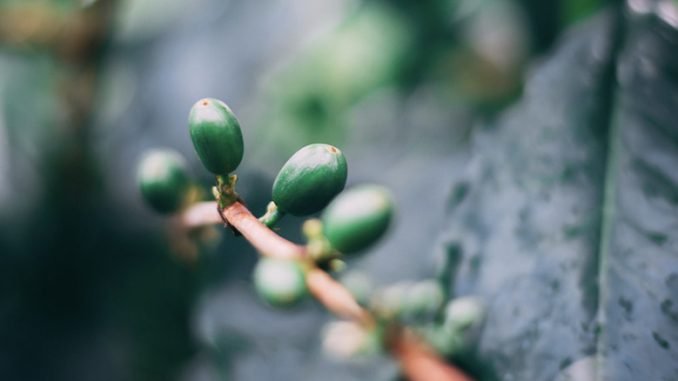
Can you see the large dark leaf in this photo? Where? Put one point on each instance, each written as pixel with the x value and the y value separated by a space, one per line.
pixel 569 223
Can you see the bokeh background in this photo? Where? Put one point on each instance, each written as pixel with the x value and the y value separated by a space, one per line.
pixel 92 287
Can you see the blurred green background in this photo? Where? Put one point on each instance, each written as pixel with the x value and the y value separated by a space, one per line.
pixel 92 288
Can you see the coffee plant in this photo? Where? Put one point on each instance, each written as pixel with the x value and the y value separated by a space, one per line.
pixel 557 152
pixel 411 319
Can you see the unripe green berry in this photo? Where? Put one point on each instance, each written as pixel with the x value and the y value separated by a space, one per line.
pixel 445 342
pixel 310 179
pixel 345 340
pixel 358 218
pixel 461 328
pixel 463 313
pixel 280 282
pixel 389 300
pixel 216 136
pixel 423 299
pixel 163 180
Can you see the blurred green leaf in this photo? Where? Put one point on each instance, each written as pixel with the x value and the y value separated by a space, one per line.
pixel 311 97
pixel 568 225
pixel 576 10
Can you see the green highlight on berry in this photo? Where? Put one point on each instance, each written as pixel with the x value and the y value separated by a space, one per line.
pixel 216 136
pixel 310 179
pixel 280 282
pixel 358 218
pixel 162 180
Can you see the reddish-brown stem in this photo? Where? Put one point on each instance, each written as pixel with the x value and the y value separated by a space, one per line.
pixel 336 297
pixel 265 240
pixel 417 360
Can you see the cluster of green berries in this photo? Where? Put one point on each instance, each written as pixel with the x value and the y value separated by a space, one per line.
pixel 451 328
pixel 311 180
pixel 457 333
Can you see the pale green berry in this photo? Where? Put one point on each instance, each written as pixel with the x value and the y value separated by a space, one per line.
pixel 280 282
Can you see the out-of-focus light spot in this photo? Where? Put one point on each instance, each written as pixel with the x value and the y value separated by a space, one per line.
pixel 640 6
pixel 668 12
pixel 87 3
pixel 464 9
pixel 140 19
pixel 583 369
pixel 499 35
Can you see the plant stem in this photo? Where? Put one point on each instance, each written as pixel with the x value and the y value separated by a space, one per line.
pixel 451 258
pixel 418 361
pixel 272 216
pixel 336 297
pixel 259 235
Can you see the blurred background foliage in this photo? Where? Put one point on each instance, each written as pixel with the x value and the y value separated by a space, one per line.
pixel 91 286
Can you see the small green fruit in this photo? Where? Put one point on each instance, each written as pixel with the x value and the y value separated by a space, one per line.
pixel 445 342
pixel 216 136
pixel 163 180
pixel 310 179
pixel 423 299
pixel 389 300
pixel 280 282
pixel 463 313
pixel 345 340
pixel 462 326
pixel 358 218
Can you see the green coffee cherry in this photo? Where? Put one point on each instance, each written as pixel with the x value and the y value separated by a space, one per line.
pixel 423 299
pixel 461 329
pixel 445 342
pixel 408 301
pixel 463 313
pixel 358 218
pixel 345 340
pixel 163 180
pixel 310 179
pixel 280 282
pixel 389 301
pixel 216 136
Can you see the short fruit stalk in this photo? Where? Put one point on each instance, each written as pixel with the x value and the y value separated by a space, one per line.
pixel 272 216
